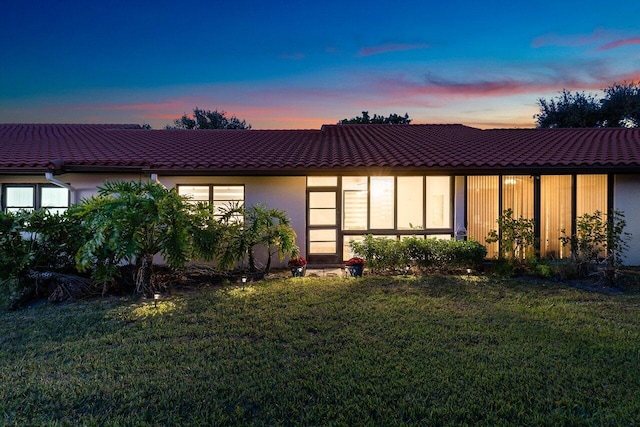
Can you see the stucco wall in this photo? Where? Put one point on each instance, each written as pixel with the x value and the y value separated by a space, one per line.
pixel 627 199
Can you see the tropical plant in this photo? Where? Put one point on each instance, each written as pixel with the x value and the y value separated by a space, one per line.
pixel 270 228
pixel 234 235
pixel 132 221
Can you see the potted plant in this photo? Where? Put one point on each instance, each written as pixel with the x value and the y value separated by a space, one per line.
pixel 355 266
pixel 298 266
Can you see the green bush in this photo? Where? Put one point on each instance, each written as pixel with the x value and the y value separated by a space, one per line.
pixel 381 254
pixel 599 245
pixel 515 236
pixel 36 241
pixel 15 256
pixel 388 255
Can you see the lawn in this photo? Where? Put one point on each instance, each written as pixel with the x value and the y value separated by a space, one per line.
pixel 316 351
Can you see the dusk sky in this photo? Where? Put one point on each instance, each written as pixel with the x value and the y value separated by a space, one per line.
pixel 300 64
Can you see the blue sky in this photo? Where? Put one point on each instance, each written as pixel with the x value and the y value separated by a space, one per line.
pixel 301 64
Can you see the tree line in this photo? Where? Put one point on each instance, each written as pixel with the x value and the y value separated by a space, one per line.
pixel 619 107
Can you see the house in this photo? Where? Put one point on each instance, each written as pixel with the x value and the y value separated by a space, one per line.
pixel 341 182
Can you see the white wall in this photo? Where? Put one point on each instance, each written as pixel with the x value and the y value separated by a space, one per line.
pixel 627 199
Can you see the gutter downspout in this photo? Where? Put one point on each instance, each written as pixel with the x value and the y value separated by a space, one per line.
pixel 49 177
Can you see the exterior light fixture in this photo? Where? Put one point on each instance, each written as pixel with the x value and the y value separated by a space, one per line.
pixel 156 297
pixel 244 281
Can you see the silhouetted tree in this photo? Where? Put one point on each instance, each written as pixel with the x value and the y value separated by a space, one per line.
pixel 206 119
pixel 569 110
pixel 621 105
pixel 393 119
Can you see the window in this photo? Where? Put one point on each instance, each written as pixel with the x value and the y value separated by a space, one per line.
pixel 410 202
pixel 322 181
pixel 438 202
pixel 488 195
pixel 220 197
pixel 517 195
pixel 322 211
pixel 37 196
pixel 555 214
pixel 591 194
pixel 381 214
pixel 322 241
pixel 354 203
pixel 322 208
pixel 482 209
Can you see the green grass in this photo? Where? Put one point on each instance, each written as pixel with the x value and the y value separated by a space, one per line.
pixel 383 351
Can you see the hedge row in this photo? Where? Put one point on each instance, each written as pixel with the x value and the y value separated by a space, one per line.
pixel 386 255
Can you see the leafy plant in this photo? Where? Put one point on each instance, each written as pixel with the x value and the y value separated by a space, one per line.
pixel 230 241
pixel 515 237
pixel 270 228
pixel 427 254
pixel 132 221
pixel 599 245
pixel 381 254
pixel 15 256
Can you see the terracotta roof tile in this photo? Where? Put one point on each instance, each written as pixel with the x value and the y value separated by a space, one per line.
pixel 34 146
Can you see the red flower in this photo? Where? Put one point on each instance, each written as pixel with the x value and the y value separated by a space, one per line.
pixel 355 261
pixel 297 262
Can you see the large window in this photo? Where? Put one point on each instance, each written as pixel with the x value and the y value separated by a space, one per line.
pixel 345 208
pixel 220 197
pixel 391 207
pixel 488 196
pixel 31 196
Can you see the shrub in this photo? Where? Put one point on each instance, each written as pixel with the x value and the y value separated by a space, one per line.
pixel 132 222
pixel 381 254
pixel 426 254
pixel 516 237
pixel 599 245
pixel 15 256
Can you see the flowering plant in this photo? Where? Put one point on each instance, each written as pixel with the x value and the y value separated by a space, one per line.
pixel 297 262
pixel 355 261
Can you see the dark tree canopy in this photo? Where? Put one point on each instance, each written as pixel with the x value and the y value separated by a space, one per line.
pixel 620 107
pixel 365 119
pixel 205 119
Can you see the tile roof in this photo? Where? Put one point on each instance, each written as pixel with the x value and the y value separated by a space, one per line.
pixel 38 147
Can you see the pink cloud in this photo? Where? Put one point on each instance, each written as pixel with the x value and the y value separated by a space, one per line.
pixel 442 87
pixel 618 43
pixel 570 40
pixel 390 47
